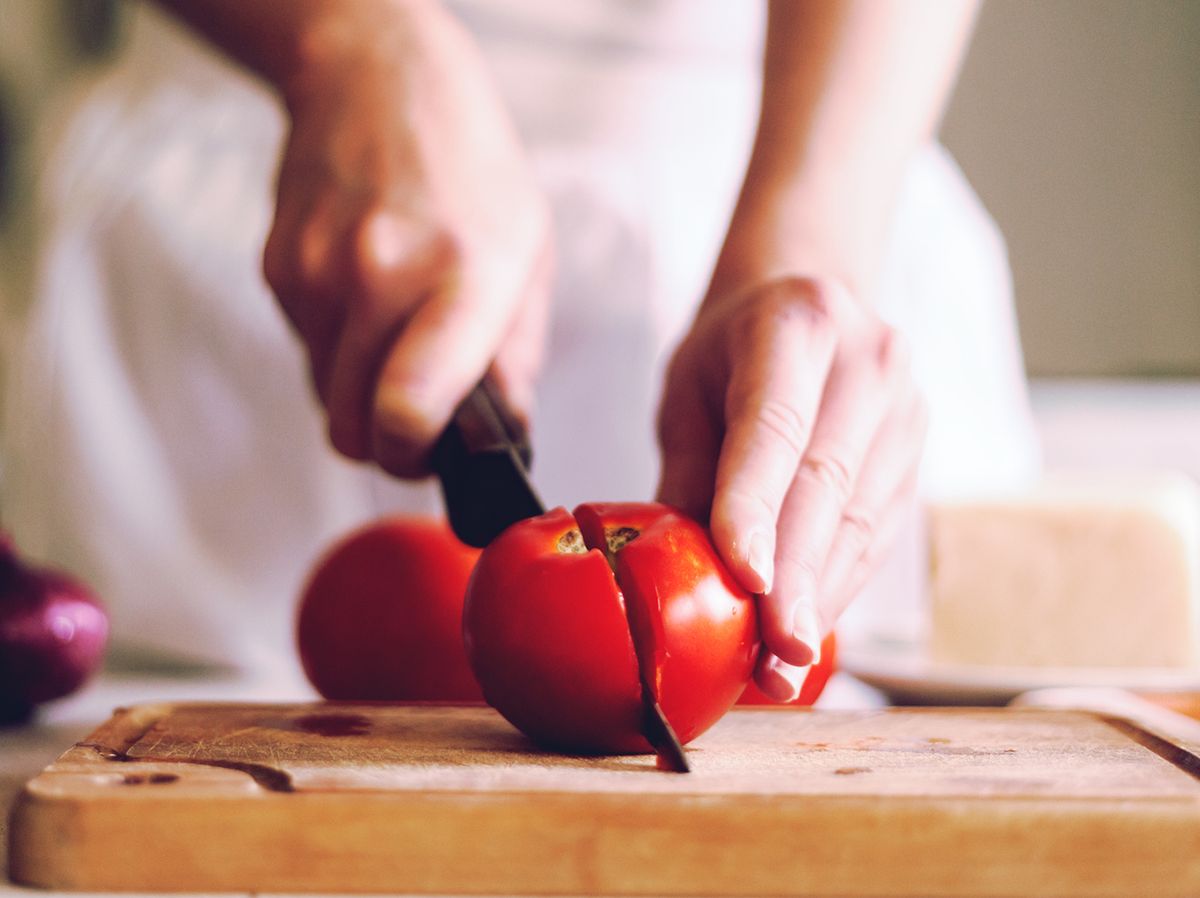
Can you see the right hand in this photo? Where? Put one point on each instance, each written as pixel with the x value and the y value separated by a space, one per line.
pixel 791 422
pixel 411 247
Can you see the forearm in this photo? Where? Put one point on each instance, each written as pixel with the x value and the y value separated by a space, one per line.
pixel 851 90
pixel 283 41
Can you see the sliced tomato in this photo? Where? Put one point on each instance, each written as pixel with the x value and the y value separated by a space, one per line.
pixel 555 638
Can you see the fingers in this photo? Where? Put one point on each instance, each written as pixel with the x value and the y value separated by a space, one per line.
pixel 407 224
pixel 443 351
pixel 297 265
pixel 772 401
pixel 384 270
pixel 873 518
pixel 861 388
pixel 778 680
pixel 447 345
pixel 395 336
pixel 812 447
pixel 870 522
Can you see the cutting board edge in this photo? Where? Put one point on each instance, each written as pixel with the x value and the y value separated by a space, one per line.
pixel 56 841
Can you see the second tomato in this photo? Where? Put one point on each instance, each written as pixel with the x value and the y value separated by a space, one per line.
pixel 381 616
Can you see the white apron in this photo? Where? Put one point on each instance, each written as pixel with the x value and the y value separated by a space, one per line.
pixel 159 438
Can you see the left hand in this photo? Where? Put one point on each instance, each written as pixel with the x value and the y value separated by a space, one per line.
pixel 411 247
pixel 791 422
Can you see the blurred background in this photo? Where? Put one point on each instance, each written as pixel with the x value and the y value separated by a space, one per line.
pixel 1077 121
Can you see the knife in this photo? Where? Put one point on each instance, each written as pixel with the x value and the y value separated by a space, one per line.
pixel 482 460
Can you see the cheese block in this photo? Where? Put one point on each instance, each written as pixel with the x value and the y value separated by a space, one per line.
pixel 1093 570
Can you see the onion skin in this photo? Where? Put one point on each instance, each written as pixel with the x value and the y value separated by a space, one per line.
pixel 53 633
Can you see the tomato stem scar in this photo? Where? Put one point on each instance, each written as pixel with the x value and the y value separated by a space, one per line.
pixel 571 543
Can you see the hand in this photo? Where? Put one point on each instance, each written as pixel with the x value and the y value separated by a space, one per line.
pixel 791 421
pixel 410 248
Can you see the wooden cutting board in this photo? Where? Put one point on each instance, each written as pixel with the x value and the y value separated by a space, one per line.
pixel 452 800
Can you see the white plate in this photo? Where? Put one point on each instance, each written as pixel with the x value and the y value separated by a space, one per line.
pixel 908 676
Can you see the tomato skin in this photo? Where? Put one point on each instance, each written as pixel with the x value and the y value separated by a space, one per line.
pixel 380 618
pixel 552 636
pixel 696 628
pixel 813 685
pixel 547 637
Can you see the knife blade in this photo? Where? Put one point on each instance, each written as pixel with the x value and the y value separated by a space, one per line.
pixel 660 734
pixel 482 460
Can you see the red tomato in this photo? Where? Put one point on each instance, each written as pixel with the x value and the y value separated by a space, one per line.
pixel 814 683
pixel 381 616
pixel 560 608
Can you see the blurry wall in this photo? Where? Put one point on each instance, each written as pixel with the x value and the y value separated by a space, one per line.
pixel 1078 121
pixel 41 43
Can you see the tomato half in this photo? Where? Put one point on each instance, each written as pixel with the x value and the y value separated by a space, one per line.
pixel 560 607
pixel 380 618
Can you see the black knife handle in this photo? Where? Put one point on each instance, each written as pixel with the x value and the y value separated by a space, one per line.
pixel 482 460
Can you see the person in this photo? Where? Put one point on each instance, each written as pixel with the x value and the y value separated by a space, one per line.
pixel 521 188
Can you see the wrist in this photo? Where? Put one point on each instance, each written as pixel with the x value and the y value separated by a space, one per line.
pixel 326 42
pixel 824 223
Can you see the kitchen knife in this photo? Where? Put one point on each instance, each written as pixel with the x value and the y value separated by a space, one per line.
pixel 482 460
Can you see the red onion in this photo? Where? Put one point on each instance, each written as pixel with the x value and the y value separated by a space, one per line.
pixel 52 635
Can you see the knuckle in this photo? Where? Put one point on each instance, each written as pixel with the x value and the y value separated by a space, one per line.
pixel 387 250
pixel 829 471
pixel 806 292
pixel 796 302
pixel 784 423
pixel 859 530
pixel 749 502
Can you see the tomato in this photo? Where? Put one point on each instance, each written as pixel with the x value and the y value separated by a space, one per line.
pixel 560 608
pixel 813 685
pixel 380 618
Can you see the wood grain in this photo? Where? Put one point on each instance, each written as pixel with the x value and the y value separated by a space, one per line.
pixel 452 800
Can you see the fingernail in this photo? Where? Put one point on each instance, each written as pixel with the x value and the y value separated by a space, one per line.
pixel 792 677
pixel 761 557
pixel 805 628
